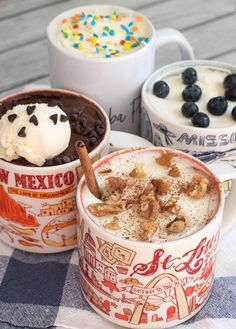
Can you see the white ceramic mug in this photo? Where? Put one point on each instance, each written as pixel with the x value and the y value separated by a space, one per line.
pixel 37 204
pixel 207 144
pixel 115 83
pixel 151 285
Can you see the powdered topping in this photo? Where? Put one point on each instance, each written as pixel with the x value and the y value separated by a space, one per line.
pixel 153 197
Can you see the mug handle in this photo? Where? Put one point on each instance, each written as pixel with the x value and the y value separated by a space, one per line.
pixel 226 172
pixel 120 140
pixel 169 35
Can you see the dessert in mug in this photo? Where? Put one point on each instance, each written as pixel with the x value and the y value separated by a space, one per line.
pixel 102 32
pixel 152 195
pixel 201 96
pixel 40 127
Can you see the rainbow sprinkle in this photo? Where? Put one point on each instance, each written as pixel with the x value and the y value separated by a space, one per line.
pixel 106 36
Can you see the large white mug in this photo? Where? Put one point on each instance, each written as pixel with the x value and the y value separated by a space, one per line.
pixel 115 82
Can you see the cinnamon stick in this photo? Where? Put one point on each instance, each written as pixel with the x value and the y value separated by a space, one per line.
pixel 87 168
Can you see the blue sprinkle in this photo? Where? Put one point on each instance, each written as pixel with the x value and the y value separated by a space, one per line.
pixel 104 47
pixel 124 28
pixel 104 34
pixel 82 16
pixel 128 37
pixel 131 24
pixel 117 51
pixel 89 15
pixel 140 39
pixel 112 32
pixel 107 16
pixel 147 40
pixel 75 45
pixel 95 35
pixel 131 33
pixel 93 23
pixel 108 55
pixel 85 22
pixel 81 37
pixel 97 50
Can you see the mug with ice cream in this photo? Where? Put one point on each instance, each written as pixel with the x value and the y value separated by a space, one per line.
pixel 39 168
pixel 106 52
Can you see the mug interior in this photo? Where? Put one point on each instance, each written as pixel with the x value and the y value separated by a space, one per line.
pixel 103 142
pixel 177 68
pixel 87 217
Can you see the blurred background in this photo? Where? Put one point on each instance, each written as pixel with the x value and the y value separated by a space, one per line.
pixel 209 25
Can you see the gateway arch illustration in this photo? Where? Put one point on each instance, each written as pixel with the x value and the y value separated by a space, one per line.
pixel 182 303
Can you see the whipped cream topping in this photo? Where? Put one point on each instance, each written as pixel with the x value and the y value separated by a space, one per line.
pixel 36 132
pixel 102 32
pixel 210 80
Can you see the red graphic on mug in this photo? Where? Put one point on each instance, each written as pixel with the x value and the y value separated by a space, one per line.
pixel 60 232
pixel 12 211
pixel 139 299
pixel 63 207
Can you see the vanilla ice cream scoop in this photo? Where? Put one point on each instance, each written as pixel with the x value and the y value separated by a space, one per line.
pixel 36 132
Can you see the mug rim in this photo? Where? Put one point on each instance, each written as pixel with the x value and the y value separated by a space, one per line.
pixel 137 243
pixel 74 163
pixel 174 68
pixel 92 58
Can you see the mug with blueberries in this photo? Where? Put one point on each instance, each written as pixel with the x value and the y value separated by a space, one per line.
pixel 191 106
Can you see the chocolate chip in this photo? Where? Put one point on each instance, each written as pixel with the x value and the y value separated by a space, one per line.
pixel 63 118
pixel 98 123
pixel 54 118
pixel 93 134
pixel 34 120
pixel 77 129
pixel 50 162
pixel 21 132
pixel 83 122
pixel 74 116
pixel 30 109
pixel 66 159
pixel 93 141
pixel 100 129
pixel 58 161
pixel 78 110
pixel 12 117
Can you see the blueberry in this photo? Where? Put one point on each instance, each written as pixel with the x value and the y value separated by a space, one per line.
pixel 189 109
pixel 230 94
pixel 192 93
pixel 189 76
pixel 233 113
pixel 217 105
pixel 100 129
pixel 201 120
pixel 230 81
pixel 161 89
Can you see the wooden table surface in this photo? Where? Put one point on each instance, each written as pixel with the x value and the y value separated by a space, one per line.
pixel 210 26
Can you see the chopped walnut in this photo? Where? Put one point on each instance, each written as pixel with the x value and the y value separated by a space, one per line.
pixel 113 225
pixel 149 228
pixel 164 159
pixel 102 209
pixel 161 186
pixel 105 171
pixel 138 171
pixel 116 184
pixel 149 210
pixel 198 186
pixel 174 171
pixel 177 225
pixel 171 205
